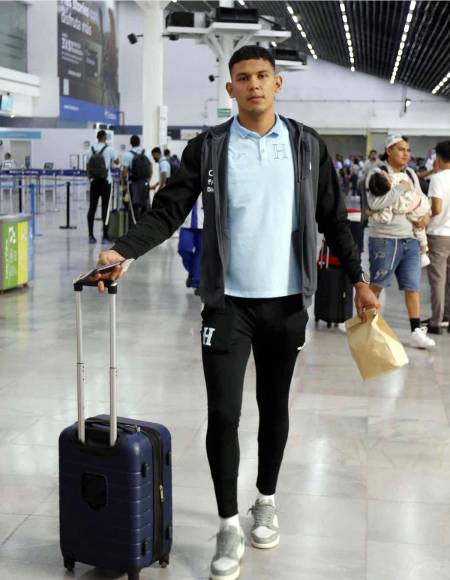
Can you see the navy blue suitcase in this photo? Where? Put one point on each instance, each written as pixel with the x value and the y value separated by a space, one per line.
pixel 115 483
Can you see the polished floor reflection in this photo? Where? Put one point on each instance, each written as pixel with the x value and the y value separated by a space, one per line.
pixel 364 492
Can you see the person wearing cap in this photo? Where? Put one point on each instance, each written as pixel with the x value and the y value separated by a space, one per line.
pixel 393 247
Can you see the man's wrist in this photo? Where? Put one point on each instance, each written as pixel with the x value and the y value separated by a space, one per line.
pixel 363 279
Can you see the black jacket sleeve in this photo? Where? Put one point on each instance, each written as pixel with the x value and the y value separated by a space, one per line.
pixel 171 205
pixel 331 216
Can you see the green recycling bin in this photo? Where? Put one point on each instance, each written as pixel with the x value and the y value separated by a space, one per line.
pixel 16 250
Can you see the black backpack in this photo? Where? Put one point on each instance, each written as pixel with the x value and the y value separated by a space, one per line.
pixel 141 168
pixel 97 164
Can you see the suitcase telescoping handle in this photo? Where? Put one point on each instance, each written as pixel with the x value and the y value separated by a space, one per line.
pixel 112 291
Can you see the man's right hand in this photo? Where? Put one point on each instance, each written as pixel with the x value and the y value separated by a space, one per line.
pixel 108 257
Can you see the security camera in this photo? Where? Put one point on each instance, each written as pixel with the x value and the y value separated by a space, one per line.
pixel 133 38
pixel 174 37
pixel 211 78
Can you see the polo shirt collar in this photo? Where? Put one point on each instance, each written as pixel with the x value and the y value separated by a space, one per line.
pixel 244 132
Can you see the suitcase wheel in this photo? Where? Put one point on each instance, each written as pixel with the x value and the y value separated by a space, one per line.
pixel 69 564
pixel 164 561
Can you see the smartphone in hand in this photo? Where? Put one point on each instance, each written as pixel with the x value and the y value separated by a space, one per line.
pixel 100 269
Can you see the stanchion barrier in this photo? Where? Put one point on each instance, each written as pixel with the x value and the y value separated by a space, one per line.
pixel 68 226
pixel 20 196
pixel 33 210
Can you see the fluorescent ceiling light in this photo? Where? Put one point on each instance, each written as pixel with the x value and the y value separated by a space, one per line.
pixel 401 47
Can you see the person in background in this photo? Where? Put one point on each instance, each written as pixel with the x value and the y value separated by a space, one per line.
pixel 8 162
pixel 135 177
pixel 99 161
pixel 439 238
pixel 190 245
pixel 164 169
pixel 393 248
pixel 174 162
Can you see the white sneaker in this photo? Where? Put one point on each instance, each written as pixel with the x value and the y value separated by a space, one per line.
pixel 424 260
pixel 229 551
pixel 419 339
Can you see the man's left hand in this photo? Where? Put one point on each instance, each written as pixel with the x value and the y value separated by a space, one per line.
pixel 365 299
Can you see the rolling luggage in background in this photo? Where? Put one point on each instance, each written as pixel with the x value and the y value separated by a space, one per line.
pixel 333 300
pixel 117 217
pixel 115 481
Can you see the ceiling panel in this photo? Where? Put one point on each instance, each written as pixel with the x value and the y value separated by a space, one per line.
pixel 376 28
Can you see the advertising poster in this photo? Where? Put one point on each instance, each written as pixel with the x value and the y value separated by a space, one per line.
pixel 88 61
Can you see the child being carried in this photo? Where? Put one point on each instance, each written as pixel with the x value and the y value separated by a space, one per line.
pixel 414 204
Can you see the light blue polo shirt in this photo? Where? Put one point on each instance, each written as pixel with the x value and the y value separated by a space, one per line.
pixel 127 160
pixel 109 154
pixel 164 166
pixel 262 214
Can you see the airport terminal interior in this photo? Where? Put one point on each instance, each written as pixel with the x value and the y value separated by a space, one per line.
pixel 364 488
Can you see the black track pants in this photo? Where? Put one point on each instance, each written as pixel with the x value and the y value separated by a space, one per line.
pixel 100 188
pixel 275 329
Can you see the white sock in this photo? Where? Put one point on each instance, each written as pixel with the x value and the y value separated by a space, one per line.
pixel 262 497
pixel 233 521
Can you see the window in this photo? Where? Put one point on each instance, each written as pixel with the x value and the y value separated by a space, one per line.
pixel 13 35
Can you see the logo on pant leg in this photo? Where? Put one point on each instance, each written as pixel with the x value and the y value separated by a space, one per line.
pixel 207 335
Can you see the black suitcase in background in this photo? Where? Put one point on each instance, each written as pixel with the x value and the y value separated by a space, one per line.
pixel 115 482
pixel 333 300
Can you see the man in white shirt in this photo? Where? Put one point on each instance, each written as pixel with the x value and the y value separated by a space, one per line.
pixel 8 162
pixel 439 236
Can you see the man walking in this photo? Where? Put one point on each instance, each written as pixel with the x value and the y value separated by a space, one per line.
pixel 439 236
pixel 98 169
pixel 265 180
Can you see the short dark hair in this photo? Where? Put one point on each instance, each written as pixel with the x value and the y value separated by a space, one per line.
pixel 379 184
pixel 156 150
pixel 101 135
pixel 135 141
pixel 166 152
pixel 251 52
pixel 373 151
pixel 443 150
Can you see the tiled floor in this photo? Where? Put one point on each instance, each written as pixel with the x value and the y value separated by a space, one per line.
pixel 364 492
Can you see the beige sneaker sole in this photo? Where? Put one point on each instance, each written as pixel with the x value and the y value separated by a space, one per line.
pixel 233 576
pixel 265 546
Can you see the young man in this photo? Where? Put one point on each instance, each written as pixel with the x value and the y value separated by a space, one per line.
pixel 164 169
pixel 135 176
pixel 439 236
pixel 265 180
pixel 98 168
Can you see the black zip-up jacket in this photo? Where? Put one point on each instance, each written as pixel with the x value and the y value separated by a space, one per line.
pixel 204 169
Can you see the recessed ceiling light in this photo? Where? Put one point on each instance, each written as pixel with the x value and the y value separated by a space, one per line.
pixel 290 10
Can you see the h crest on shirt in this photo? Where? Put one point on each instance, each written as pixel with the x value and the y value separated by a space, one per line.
pixel 279 151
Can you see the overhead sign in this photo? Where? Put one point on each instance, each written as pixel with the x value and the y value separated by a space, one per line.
pixel 88 61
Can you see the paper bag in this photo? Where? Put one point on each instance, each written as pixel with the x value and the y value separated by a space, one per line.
pixel 375 347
